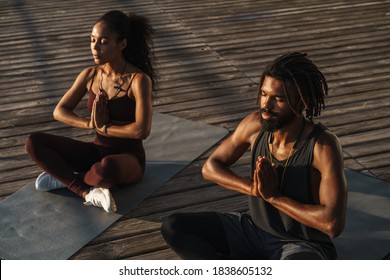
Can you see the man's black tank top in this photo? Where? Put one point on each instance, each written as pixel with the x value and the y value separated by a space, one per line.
pixel 296 185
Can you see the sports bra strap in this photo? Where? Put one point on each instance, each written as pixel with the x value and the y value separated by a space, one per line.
pixel 131 82
pixel 93 77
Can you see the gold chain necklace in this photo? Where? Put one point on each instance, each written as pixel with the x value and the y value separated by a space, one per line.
pixel 118 87
pixel 270 151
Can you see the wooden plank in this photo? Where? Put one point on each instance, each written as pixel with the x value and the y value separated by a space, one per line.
pixel 126 230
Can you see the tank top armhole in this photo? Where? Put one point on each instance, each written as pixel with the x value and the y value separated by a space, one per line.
pixel 317 131
pixel 313 137
pixel 255 146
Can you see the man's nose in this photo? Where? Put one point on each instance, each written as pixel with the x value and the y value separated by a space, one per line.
pixel 267 102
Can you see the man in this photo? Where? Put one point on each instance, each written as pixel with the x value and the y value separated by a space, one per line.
pixel 297 190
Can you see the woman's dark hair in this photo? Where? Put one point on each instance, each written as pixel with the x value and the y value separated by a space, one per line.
pixel 302 74
pixel 138 32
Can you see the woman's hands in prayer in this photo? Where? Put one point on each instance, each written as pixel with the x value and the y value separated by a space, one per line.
pixel 100 117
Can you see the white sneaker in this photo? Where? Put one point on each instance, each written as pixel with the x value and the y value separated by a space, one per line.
pixel 101 197
pixel 45 182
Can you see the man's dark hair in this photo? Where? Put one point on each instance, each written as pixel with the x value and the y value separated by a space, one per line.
pixel 304 75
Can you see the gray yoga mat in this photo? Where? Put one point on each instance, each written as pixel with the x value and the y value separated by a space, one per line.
pixel 367 232
pixel 55 225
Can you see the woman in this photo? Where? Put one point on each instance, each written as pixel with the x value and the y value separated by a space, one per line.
pixel 120 107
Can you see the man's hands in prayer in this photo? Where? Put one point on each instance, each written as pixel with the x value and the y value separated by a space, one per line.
pixel 265 179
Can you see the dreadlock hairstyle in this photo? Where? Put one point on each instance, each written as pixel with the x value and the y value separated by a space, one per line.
pixel 304 75
pixel 138 32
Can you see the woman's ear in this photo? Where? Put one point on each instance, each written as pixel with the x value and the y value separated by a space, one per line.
pixel 123 44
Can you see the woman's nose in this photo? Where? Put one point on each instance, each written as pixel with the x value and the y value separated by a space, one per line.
pixel 94 46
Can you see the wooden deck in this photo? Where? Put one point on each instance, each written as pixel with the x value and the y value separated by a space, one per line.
pixel 210 54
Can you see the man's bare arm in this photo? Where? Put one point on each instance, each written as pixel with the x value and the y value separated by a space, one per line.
pixel 216 168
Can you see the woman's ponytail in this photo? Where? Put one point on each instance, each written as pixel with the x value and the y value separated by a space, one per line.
pixel 139 49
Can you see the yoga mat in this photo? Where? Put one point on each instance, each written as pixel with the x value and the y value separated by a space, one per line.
pixel 367 232
pixel 55 225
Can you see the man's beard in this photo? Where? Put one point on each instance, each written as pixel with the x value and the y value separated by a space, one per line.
pixel 276 122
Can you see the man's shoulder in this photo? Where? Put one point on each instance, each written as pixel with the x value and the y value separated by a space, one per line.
pixel 250 126
pixel 325 135
pixel 250 121
pixel 327 142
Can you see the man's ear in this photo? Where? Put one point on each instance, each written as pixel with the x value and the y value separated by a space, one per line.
pixel 301 108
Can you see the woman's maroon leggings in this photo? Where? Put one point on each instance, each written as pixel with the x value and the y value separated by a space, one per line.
pixel 71 161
